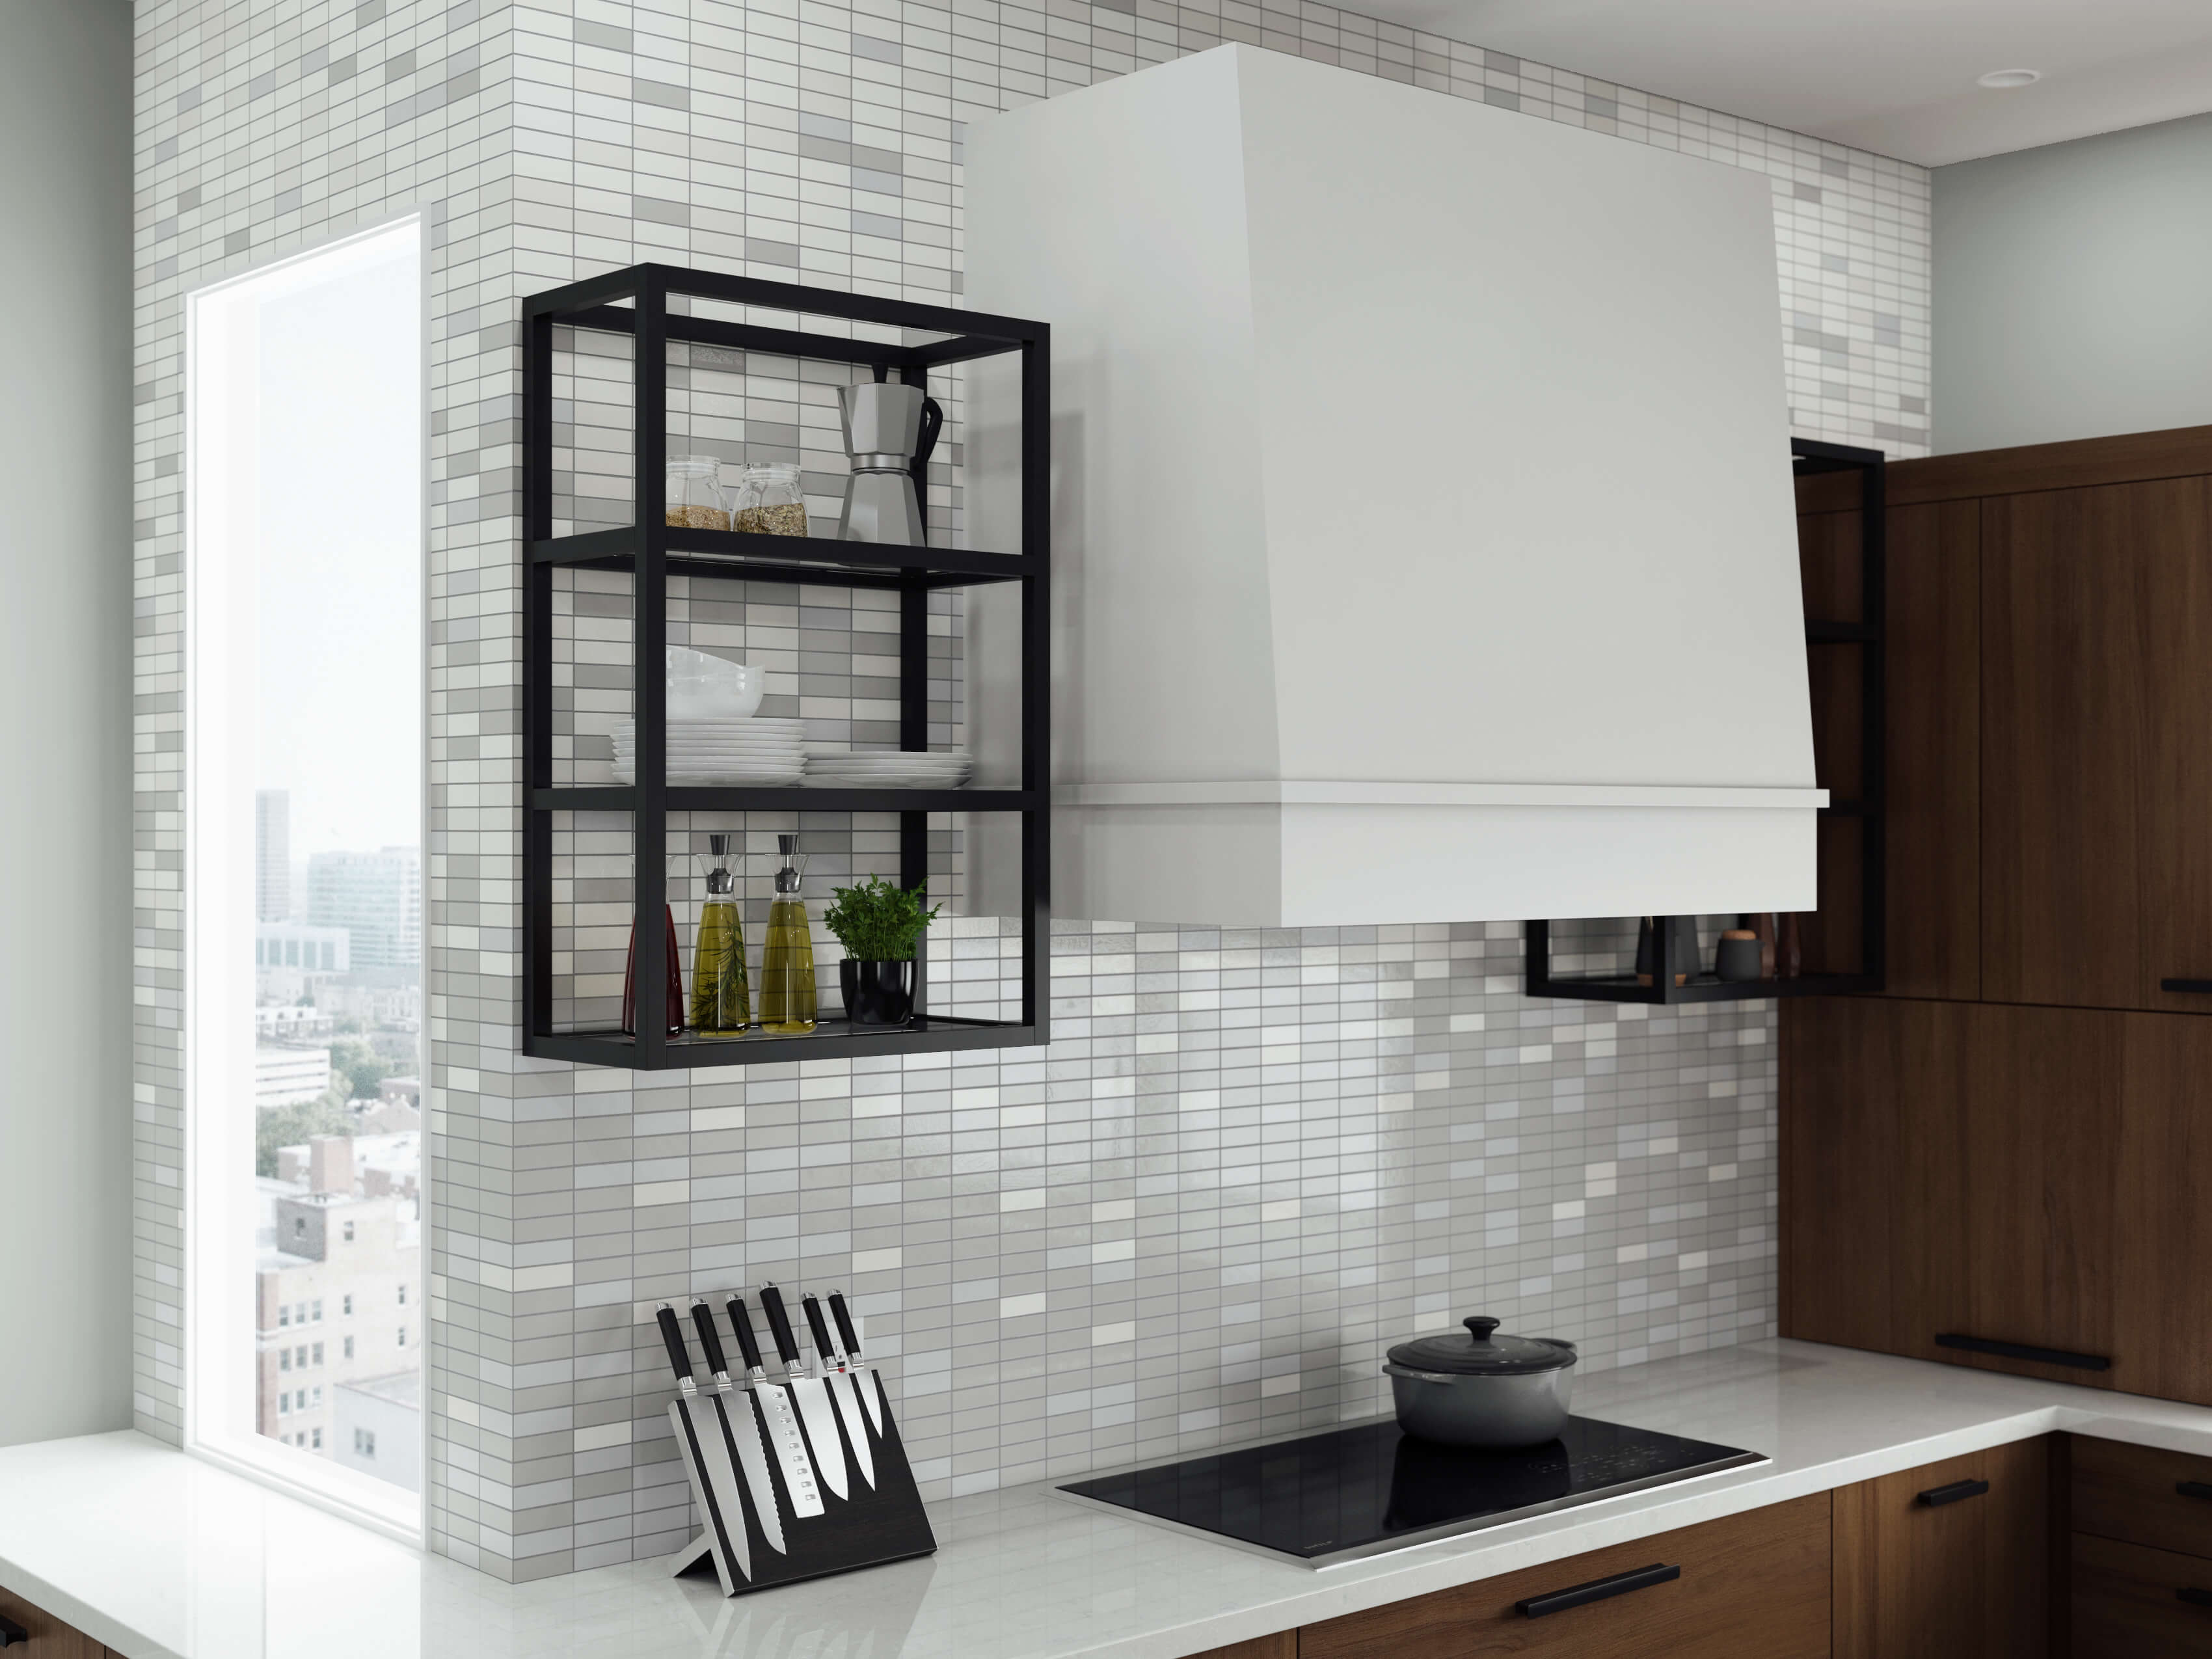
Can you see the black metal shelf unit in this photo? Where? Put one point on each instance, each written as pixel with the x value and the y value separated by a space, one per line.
pixel 1807 456
pixel 635 301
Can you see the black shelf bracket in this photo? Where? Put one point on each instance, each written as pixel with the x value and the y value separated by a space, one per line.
pixel 635 301
pixel 1808 456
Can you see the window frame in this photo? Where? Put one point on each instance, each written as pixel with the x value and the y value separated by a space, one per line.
pixel 221 1349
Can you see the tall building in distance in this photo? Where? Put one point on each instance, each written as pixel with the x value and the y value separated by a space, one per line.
pixel 272 855
pixel 377 897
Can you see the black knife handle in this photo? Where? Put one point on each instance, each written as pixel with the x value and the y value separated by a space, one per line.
pixel 1598 1589
pixel 845 1326
pixel 820 1326
pixel 679 1357
pixel 710 1339
pixel 741 1322
pixel 1936 1497
pixel 779 1324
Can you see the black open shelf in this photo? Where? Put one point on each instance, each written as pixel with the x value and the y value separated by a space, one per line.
pixel 635 301
pixel 1807 456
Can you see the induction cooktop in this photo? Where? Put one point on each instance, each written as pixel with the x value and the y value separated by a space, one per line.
pixel 1371 1487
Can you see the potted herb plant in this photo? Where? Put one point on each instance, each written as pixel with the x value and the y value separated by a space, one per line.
pixel 879 925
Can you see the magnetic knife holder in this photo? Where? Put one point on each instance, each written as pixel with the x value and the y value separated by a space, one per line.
pixel 871 1525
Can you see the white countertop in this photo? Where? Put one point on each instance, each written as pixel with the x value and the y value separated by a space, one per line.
pixel 162 1556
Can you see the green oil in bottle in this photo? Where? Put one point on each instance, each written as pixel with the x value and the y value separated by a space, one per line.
pixel 788 994
pixel 722 1000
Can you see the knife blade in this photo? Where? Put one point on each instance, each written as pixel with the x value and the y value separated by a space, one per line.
pixel 741 1428
pixel 709 1460
pixel 772 1401
pixel 843 1389
pixel 810 1393
pixel 871 1385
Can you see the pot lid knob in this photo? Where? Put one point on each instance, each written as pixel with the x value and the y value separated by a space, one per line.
pixel 1481 1325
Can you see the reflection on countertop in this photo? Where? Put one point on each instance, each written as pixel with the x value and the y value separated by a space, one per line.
pixel 163 1556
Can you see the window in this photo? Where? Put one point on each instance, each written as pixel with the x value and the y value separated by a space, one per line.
pixel 364 1440
pixel 348 1308
pixel 349 1347
pixel 318 1440
pixel 403 1288
pixel 318 1353
pixel 319 1395
pixel 403 1329
pixel 305 754
pixel 284 1355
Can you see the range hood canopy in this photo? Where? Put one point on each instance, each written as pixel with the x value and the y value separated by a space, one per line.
pixel 1424 539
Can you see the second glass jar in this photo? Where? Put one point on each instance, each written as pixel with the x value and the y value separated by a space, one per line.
pixel 771 502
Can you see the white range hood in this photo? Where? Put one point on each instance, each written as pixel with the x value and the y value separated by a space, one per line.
pixel 1424 538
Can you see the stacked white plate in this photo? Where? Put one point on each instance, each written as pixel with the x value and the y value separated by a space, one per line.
pixel 829 767
pixel 766 754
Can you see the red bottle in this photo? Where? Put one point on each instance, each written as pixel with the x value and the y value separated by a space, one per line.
pixel 675 983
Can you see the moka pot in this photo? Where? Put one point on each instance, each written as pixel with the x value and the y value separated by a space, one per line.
pixel 890 430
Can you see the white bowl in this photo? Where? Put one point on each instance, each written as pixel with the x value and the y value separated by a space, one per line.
pixel 704 686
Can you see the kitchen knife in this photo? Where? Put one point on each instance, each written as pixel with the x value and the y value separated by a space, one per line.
pixel 844 1388
pixel 741 1425
pixel 709 1461
pixel 774 1400
pixel 864 1376
pixel 811 1392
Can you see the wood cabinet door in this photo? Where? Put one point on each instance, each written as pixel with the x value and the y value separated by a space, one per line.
pixel 50 1638
pixel 1925 1570
pixel 2096 726
pixel 1752 1586
pixel 2130 1601
pixel 2162 1312
pixel 1874 1121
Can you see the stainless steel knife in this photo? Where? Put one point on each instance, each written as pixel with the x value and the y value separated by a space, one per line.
pixel 708 1461
pixel 811 1394
pixel 772 1401
pixel 871 1386
pixel 844 1388
pixel 741 1428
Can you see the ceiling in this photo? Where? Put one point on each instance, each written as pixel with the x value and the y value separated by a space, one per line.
pixel 1895 76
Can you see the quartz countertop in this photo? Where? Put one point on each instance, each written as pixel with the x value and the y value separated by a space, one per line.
pixel 161 1555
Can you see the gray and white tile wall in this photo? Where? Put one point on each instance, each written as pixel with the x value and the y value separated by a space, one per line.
pixel 1248 1160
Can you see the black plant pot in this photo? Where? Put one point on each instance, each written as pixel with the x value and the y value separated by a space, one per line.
pixel 876 993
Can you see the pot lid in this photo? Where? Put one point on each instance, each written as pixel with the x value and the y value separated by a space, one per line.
pixel 1480 1352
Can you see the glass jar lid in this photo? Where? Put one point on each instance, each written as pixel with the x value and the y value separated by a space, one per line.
pixel 1478 1351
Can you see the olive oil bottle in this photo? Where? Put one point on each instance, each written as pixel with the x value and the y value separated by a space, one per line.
pixel 788 994
pixel 721 1001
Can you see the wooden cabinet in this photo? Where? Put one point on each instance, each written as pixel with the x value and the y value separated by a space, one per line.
pixel 1283 1644
pixel 1929 1567
pixel 2023 1176
pixel 50 1637
pixel 1752 1586
pixel 2142 1558
pixel 2096 716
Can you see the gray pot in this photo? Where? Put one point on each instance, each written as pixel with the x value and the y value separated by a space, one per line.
pixel 1482 1389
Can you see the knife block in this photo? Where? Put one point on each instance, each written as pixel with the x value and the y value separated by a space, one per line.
pixel 866 1528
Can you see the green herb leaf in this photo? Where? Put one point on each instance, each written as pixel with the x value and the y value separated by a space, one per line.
pixel 877 921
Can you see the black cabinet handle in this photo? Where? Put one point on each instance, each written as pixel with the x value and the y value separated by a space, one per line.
pixel 1935 1497
pixel 1598 1589
pixel 13 1634
pixel 2080 1362
pixel 2193 1488
pixel 2196 1598
pixel 2187 987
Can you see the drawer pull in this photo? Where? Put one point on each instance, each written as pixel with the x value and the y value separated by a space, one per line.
pixel 2193 1488
pixel 13 1634
pixel 1935 1497
pixel 2080 1362
pixel 1598 1589
pixel 2196 1598
pixel 2187 987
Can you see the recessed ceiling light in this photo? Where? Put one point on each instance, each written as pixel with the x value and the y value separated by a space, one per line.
pixel 2005 80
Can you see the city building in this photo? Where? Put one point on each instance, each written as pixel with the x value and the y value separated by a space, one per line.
pixel 272 855
pixel 287 1076
pixel 283 1024
pixel 339 1315
pixel 377 897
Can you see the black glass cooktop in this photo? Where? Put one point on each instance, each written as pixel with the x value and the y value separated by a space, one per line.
pixel 1363 1490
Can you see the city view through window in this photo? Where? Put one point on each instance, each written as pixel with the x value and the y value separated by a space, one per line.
pixel 310 746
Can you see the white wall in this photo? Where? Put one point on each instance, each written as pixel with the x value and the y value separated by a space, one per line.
pixel 66 1009
pixel 2071 297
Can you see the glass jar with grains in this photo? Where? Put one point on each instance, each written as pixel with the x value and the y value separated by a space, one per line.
pixel 769 501
pixel 695 494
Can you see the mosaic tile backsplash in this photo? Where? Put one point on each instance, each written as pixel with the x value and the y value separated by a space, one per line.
pixel 1248 1161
